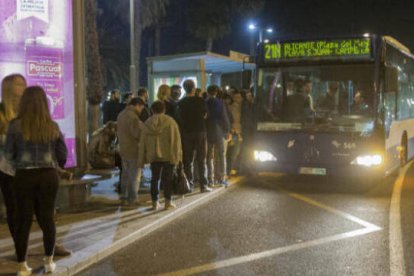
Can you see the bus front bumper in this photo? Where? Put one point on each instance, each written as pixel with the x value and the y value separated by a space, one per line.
pixel 340 170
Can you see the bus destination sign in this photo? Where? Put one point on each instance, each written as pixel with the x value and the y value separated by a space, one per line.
pixel 318 49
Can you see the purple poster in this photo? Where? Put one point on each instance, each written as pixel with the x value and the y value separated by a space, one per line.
pixel 36 40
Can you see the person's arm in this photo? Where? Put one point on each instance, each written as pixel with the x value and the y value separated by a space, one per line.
pixel 178 115
pixel 205 109
pixel 105 112
pixel 176 145
pixel 225 120
pixel 135 127
pixel 10 147
pixel 142 150
pixel 61 151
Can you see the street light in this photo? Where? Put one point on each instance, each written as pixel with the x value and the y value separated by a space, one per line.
pixel 132 68
pixel 253 27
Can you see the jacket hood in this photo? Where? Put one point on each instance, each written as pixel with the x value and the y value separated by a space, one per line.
pixel 157 123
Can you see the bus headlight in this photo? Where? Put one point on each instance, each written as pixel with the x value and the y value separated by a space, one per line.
pixel 368 160
pixel 264 156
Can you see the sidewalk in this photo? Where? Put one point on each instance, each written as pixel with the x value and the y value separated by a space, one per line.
pixel 99 228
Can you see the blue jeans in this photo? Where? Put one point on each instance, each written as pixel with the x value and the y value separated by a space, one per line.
pixel 216 161
pixel 233 154
pixel 130 183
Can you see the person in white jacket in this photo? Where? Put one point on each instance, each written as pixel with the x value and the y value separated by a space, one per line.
pixel 160 146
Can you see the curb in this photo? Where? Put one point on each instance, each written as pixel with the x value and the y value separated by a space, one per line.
pixel 90 256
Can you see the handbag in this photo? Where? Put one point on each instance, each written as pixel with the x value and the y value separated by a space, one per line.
pixel 181 185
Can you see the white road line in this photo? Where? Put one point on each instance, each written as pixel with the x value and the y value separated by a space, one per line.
pixel 268 253
pixel 335 211
pixel 368 228
pixel 397 262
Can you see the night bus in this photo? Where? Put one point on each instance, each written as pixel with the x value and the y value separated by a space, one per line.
pixel 334 107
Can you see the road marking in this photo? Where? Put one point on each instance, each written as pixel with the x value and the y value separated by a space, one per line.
pixel 397 262
pixel 368 228
pixel 267 254
pixel 335 211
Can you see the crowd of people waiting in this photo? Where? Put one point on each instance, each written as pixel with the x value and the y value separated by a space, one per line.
pixel 209 133
pixel 201 131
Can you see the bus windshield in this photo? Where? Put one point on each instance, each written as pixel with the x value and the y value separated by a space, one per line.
pixel 331 95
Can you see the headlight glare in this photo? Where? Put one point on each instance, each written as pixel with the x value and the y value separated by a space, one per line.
pixel 368 160
pixel 264 156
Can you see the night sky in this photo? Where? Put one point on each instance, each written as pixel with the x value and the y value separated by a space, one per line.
pixel 303 18
pixel 289 19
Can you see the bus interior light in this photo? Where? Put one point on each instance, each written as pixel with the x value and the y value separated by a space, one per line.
pixel 264 156
pixel 368 160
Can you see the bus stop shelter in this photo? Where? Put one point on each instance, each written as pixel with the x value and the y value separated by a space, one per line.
pixel 204 68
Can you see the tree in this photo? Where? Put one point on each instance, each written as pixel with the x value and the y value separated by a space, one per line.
pixel 147 13
pixel 247 8
pixel 113 32
pixel 211 20
pixel 114 22
pixel 94 87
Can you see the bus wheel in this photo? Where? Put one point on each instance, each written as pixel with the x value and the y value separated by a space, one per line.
pixel 403 151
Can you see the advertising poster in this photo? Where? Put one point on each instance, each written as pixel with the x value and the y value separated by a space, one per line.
pixel 36 40
pixel 158 81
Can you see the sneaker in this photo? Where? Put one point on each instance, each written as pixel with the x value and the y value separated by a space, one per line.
pixel 61 251
pixel 206 190
pixel 24 269
pixel 24 272
pixel 224 183
pixel 49 265
pixel 169 205
pixel 155 206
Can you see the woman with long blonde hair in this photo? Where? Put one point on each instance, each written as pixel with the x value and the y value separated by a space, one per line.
pixel 12 88
pixel 164 92
pixel 35 146
pixel 164 95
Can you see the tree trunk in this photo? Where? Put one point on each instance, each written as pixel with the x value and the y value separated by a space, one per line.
pixel 94 115
pixel 209 46
pixel 95 87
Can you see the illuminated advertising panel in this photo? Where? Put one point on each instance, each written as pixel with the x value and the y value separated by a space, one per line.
pixel 170 81
pixel 36 40
pixel 317 49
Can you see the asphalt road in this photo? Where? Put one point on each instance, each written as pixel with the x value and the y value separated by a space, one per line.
pixel 277 225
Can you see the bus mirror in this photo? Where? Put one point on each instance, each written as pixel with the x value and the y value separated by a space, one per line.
pixel 391 79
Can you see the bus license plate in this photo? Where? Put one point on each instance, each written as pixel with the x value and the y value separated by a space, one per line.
pixel 314 171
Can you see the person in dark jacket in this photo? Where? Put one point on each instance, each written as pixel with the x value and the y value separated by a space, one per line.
pixel 126 98
pixel 218 129
pixel 192 113
pixel 36 156
pixel 112 108
pixel 173 102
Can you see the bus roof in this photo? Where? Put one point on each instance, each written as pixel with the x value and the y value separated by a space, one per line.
pixel 397 44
